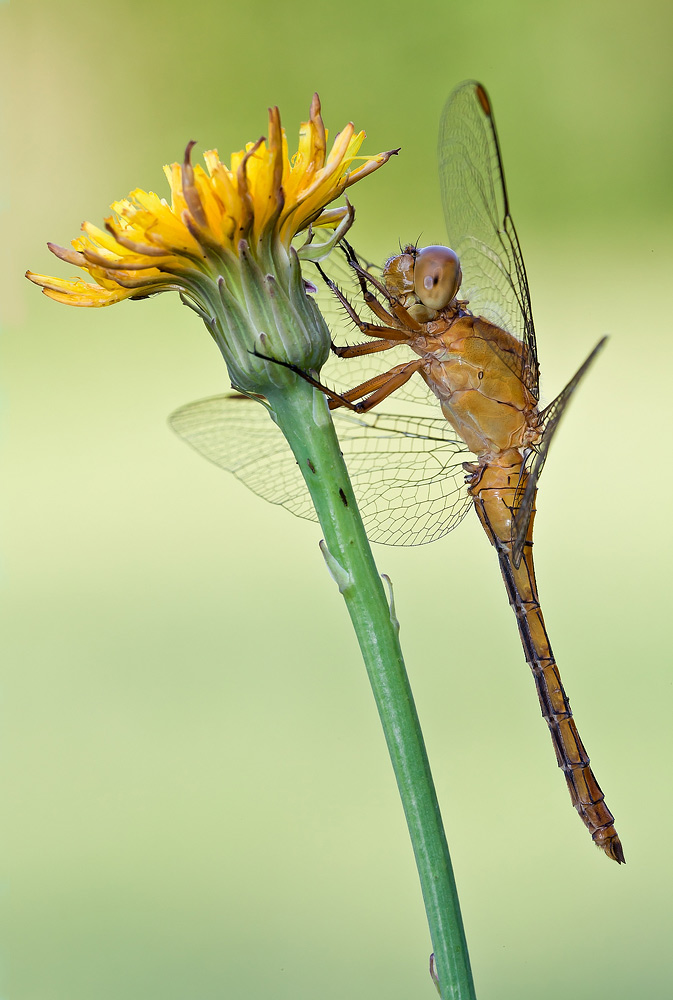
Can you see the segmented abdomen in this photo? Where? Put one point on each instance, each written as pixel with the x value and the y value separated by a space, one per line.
pixel 493 490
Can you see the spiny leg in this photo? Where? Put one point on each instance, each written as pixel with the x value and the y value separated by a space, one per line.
pixel 369 329
pixel 397 312
pixel 334 398
pixel 364 277
pixel 359 350
pixel 378 388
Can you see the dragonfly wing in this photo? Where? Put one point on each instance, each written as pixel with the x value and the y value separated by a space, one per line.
pixel 238 434
pixel 549 420
pixel 407 473
pixel 479 224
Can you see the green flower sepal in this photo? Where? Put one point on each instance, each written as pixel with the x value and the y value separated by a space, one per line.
pixel 264 313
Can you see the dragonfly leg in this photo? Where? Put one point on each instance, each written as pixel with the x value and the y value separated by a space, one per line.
pixel 334 398
pixel 369 329
pixel 358 350
pixel 378 388
pixel 396 312
pixel 365 278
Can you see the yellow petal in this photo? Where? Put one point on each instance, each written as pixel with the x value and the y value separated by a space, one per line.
pixel 75 292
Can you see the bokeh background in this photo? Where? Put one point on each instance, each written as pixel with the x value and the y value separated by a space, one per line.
pixel 197 797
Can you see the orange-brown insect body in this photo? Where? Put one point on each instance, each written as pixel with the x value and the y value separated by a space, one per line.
pixel 479 359
pixel 478 373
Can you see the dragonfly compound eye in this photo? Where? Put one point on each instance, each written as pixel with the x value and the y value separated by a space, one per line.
pixel 437 276
pixel 398 274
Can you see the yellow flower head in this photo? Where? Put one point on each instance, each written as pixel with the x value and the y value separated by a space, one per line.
pixel 260 202
pixel 225 244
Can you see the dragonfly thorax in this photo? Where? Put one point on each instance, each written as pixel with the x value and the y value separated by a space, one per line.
pixel 431 275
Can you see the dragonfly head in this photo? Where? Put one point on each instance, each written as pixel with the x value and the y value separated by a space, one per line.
pixel 430 277
pixel 437 276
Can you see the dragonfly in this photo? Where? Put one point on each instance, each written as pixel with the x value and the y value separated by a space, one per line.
pixel 464 313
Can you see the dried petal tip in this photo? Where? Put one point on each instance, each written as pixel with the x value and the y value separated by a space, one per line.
pixel 68 255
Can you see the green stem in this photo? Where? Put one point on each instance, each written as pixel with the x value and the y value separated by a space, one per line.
pixel 304 419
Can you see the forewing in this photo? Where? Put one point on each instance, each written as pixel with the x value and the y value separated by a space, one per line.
pixel 407 473
pixel 549 421
pixel 479 224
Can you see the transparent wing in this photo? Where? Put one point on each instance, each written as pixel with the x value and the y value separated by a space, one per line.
pixel 238 434
pixel 407 472
pixel 549 421
pixel 479 223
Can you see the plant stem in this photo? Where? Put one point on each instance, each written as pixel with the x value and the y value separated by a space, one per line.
pixel 303 417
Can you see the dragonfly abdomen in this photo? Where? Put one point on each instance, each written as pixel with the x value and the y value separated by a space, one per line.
pixel 494 491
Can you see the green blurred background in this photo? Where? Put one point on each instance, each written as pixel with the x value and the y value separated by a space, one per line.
pixel 197 798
